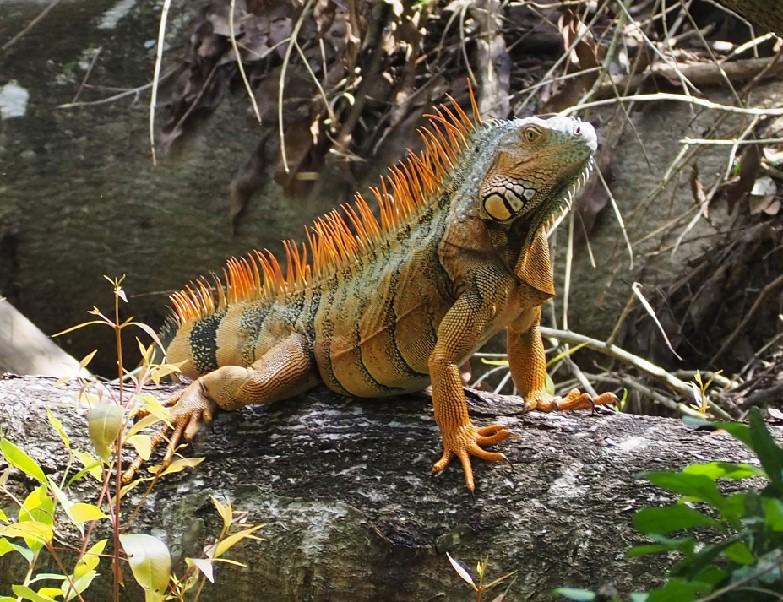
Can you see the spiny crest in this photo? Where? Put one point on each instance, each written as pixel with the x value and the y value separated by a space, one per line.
pixel 338 238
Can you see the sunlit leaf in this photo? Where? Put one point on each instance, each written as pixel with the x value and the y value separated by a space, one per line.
pixel 149 560
pixel 224 545
pixel 178 465
pixel 724 470
pixel 38 531
pixel 25 593
pixel 152 334
pixel 19 459
pixel 205 566
pixel 85 361
pixel 224 510
pixel 90 560
pixel 92 465
pixel 81 512
pixel 142 424
pixel 461 571
pixel 142 444
pixel 696 486
pixel 6 546
pixel 77 327
pixel 81 583
pixel 105 423
pixel 57 425
pixel 154 407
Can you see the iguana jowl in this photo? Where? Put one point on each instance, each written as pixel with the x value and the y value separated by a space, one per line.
pixel 376 306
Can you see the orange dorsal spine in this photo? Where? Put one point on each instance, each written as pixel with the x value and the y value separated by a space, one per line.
pixel 337 238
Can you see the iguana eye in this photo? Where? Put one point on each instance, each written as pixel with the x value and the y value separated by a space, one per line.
pixel 531 133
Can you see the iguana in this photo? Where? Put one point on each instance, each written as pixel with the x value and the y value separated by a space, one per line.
pixel 377 306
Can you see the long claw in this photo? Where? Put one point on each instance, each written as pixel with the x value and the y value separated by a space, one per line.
pixel 483 454
pixel 443 462
pixel 464 459
pixel 499 436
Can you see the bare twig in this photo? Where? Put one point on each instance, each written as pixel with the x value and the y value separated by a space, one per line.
pixel 678 98
pixel 626 357
pixel 87 74
pixel 156 76
pixel 765 292
pixel 240 65
pixel 29 26
pixel 281 84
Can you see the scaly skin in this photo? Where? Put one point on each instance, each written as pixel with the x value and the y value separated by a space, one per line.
pixel 468 259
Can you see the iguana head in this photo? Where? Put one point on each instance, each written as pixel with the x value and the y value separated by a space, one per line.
pixel 538 166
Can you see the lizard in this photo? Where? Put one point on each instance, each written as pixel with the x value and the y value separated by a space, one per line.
pixel 382 303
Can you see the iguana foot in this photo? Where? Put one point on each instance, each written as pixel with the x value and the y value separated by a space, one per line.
pixel 574 400
pixel 190 408
pixel 469 440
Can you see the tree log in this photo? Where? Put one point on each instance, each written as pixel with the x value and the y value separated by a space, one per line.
pixel 352 512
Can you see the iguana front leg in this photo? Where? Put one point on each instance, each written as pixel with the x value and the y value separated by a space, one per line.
pixel 287 369
pixel 461 329
pixel 527 361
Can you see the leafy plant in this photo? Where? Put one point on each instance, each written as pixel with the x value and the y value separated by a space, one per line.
pixel 482 587
pixel 730 546
pixel 32 529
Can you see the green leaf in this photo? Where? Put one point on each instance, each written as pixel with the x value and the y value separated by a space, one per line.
pixel 25 593
pixel 177 465
pixel 104 422
pixel 18 459
pixel 149 560
pixel 671 518
pixel 739 553
pixel 142 444
pixel 724 470
pixel 37 531
pixel 81 512
pixel 81 583
pixel 549 385
pixel 733 508
pixel 663 544
pixel 92 465
pixel 679 590
pixel 741 432
pixel 697 486
pixel 3 516
pixel 58 428
pixel 769 453
pixel 773 513
pixel 90 560
pixel 573 593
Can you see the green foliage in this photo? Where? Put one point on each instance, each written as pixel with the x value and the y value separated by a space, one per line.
pixel 31 530
pixel 730 545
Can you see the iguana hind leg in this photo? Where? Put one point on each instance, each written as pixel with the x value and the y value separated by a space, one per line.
pixel 527 361
pixel 287 369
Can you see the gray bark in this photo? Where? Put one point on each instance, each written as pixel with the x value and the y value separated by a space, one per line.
pixel 352 512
